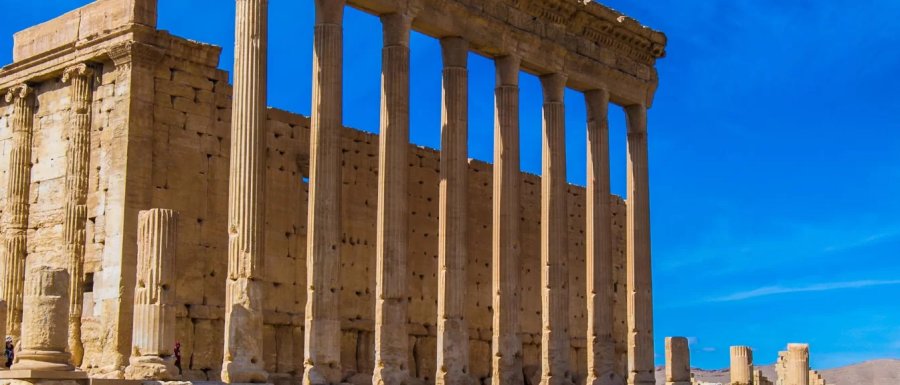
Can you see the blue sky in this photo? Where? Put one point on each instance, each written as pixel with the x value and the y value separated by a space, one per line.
pixel 774 143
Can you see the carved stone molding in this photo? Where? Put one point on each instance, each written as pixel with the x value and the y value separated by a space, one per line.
pixel 130 53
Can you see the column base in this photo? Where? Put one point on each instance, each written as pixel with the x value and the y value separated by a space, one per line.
pixel 233 373
pixel 390 376
pixel 607 379
pixel 43 361
pixel 321 375
pixel 29 375
pixel 151 368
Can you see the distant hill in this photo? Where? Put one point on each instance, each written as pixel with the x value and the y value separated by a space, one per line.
pixel 876 372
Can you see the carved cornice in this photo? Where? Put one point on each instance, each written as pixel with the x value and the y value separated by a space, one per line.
pixel 130 53
pixel 600 24
pixel 78 70
pixel 20 91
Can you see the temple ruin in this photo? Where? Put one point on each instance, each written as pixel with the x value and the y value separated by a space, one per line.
pixel 791 367
pixel 159 223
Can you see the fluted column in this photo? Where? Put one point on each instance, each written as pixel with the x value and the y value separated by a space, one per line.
pixel 598 239
pixel 45 326
pixel 797 365
pixel 153 340
pixel 453 332
pixel 77 160
pixel 678 361
pixel 639 285
pixel 243 355
pixel 741 365
pixel 391 338
pixel 15 217
pixel 322 354
pixel 506 347
pixel 554 240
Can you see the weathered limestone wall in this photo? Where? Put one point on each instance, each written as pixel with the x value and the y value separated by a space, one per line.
pixel 183 164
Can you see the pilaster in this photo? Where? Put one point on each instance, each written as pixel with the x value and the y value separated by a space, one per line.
pixel 15 217
pixel 78 149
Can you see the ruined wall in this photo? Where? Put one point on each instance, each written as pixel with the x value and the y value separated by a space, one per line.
pixel 186 161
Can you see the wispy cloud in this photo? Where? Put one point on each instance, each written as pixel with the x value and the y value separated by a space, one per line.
pixel 776 290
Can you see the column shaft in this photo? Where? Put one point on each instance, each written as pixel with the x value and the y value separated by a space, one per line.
pixel 453 332
pixel 639 285
pixel 678 361
pixel 797 365
pixel 598 239
pixel 741 365
pixel 243 356
pixel 391 338
pixel 77 172
pixel 15 217
pixel 555 343
pixel 322 355
pixel 45 326
pixel 506 345
pixel 153 340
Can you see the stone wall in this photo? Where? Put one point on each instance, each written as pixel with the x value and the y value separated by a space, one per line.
pixel 187 161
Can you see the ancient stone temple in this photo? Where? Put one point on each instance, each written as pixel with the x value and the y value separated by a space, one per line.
pixel 159 223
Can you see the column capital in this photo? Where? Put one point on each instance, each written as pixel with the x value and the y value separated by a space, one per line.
pixel 455 52
pixel 396 27
pixel 20 91
pixel 636 118
pixel 129 53
pixel 508 67
pixel 330 11
pixel 597 103
pixel 77 70
pixel 554 86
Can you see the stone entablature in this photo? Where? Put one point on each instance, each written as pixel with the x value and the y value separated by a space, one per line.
pixel 593 45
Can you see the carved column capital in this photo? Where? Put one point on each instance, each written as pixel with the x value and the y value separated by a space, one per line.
pixel 78 70
pixel 129 53
pixel 554 87
pixel 20 91
pixel 330 11
pixel 507 68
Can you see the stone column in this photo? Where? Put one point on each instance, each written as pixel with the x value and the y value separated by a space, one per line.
pixel 322 354
pixel 15 217
pixel 678 361
pixel 741 365
pixel 78 152
pixel 45 326
pixel 759 378
pixel 639 285
pixel 391 338
pixel 243 354
pixel 506 347
pixel 555 343
pixel 153 340
pixel 453 332
pixel 797 365
pixel 598 239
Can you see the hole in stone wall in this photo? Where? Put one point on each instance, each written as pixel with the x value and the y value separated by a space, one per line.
pixel 89 283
